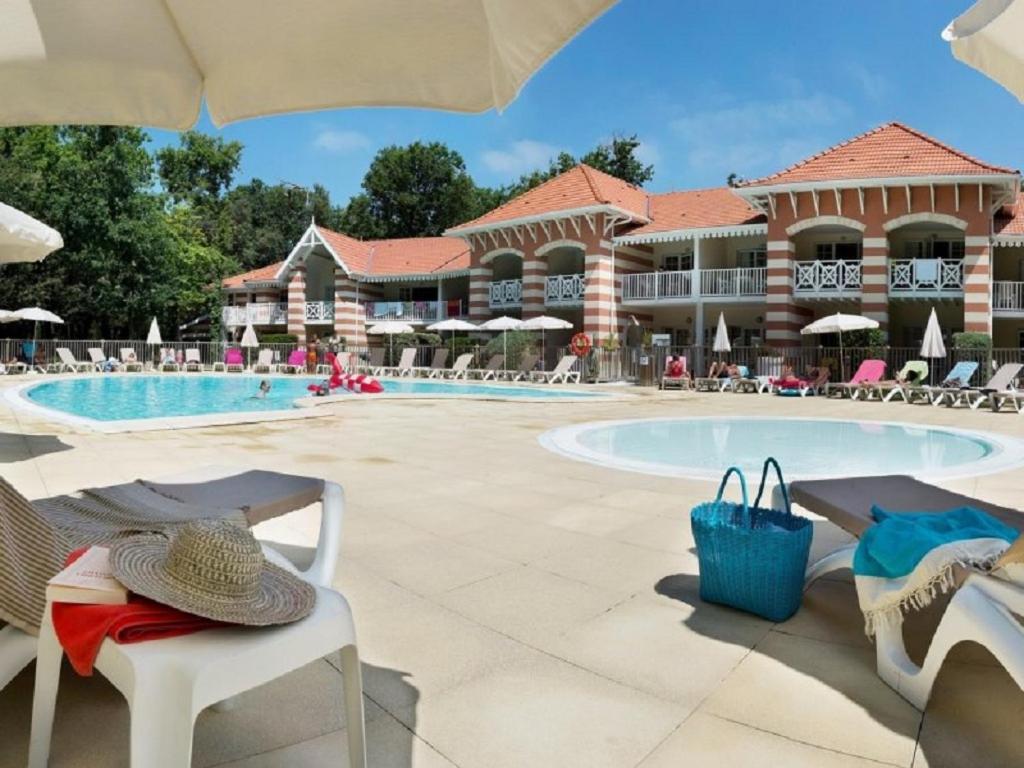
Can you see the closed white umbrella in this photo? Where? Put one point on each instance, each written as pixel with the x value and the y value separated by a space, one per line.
pixel 249 340
pixel 153 337
pixel 151 62
pixel 23 238
pixel 721 336
pixel 838 323
pixel 545 323
pixel 504 323
pixel 990 38
pixel 389 328
pixel 932 346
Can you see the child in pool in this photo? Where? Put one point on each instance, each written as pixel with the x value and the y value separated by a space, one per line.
pixel 263 391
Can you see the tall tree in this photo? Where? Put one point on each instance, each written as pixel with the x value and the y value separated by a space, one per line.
pixel 200 169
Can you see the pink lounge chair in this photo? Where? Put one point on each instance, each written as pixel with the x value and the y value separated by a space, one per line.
pixel 296 362
pixel 233 361
pixel 869 372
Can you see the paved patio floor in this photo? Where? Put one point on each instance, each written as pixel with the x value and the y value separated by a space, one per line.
pixel 516 608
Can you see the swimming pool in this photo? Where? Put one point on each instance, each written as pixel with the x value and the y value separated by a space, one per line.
pixel 131 397
pixel 806 448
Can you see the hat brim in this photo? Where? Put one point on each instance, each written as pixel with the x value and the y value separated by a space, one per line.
pixel 139 563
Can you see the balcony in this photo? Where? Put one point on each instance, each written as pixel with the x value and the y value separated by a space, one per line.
pixel 506 294
pixel 256 314
pixel 657 286
pixel 321 312
pixel 926 278
pixel 734 283
pixel 1008 298
pixel 564 290
pixel 827 279
pixel 412 311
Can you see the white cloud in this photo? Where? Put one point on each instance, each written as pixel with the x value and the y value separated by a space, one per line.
pixel 753 138
pixel 875 85
pixel 340 142
pixel 648 153
pixel 520 157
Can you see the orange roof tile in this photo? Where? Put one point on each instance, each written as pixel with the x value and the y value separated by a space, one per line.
pixel 1009 219
pixel 398 256
pixel 889 151
pixel 259 275
pixel 698 209
pixel 579 187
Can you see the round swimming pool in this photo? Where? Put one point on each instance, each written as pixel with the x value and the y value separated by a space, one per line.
pixel 806 448
pixel 130 397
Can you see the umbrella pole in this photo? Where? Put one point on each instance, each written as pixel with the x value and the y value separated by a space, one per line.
pixel 842 361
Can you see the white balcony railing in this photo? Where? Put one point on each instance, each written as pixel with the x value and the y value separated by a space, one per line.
pixel 506 293
pixel 926 277
pixel 655 286
pixel 412 310
pixel 260 313
pixel 827 278
pixel 564 290
pixel 745 281
pixel 319 311
pixel 1007 297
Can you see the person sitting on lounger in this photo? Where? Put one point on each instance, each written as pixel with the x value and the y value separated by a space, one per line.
pixel 168 357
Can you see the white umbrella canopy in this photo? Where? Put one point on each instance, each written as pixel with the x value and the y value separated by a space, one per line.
pixel 721 336
pixel 151 62
pixel 36 315
pixel 545 323
pixel 503 323
pixel 153 337
pixel 933 346
pixel 23 238
pixel 838 323
pixel 452 324
pixel 989 37
pixel 249 338
pixel 390 328
pixel 6 316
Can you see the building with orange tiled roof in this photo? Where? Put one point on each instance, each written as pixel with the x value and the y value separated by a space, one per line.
pixel 889 224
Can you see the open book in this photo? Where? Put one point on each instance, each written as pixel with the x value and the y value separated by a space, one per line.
pixel 87 580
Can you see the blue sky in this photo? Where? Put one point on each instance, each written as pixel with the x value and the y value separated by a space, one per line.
pixel 710 87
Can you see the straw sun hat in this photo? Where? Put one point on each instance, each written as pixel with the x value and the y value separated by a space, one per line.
pixel 213 569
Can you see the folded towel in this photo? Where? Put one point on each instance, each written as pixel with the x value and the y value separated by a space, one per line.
pixel 81 628
pixel 907 558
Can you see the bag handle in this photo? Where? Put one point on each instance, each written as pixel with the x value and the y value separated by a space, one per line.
pixel 770 461
pixel 743 489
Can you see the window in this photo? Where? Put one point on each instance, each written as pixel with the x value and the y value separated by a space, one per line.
pixel 752 257
pixel 933 249
pixel 840 251
pixel 1020 338
pixel 677 262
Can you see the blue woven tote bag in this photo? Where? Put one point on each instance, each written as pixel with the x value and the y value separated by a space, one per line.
pixel 752 557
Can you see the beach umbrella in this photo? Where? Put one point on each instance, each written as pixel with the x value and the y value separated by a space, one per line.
pixel 390 328
pixel 989 37
pixel 545 323
pixel 153 337
pixel 23 238
pixel 152 62
pixel 452 324
pixel 249 340
pixel 34 315
pixel 504 323
pixel 838 323
pixel 933 346
pixel 721 337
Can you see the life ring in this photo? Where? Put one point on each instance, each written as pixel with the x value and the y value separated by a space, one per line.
pixel 580 344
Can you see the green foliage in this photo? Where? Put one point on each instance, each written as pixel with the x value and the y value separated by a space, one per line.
pixel 200 169
pixel 279 338
pixel 972 340
pixel 400 341
pixel 870 338
pixel 460 345
pixel 513 344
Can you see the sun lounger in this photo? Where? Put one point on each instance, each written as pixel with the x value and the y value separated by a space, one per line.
pixel 1001 382
pixel 69 363
pixel 264 361
pixel 679 378
pixel 233 362
pixel 959 376
pixel 13 368
pixel 327 368
pixel 527 364
pixel 868 372
pixel 982 608
pixel 193 360
pixel 714 382
pixel 911 376
pixel 375 365
pixel 404 367
pixel 97 359
pixel 744 382
pixel 129 361
pixel 490 371
pixel 460 368
pixel 437 364
pixel 562 372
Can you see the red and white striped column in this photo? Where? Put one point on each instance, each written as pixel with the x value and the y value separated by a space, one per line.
pixel 783 319
pixel 977 284
pixel 349 315
pixel 297 303
pixel 535 273
pixel 479 293
pixel 874 277
pixel 599 296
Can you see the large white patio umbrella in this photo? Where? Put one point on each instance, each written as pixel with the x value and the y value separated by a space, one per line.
pixel 249 340
pixel 721 336
pixel 504 323
pixel 989 37
pixel 151 62
pixel 34 315
pixel 545 323
pixel 932 346
pixel 838 323
pixel 390 328
pixel 23 238
pixel 452 324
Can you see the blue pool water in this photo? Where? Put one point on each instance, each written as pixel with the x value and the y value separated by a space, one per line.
pixel 705 447
pixel 117 398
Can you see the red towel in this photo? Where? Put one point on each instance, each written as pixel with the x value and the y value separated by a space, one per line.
pixel 82 628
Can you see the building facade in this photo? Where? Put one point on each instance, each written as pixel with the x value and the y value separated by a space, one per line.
pixel 888 224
